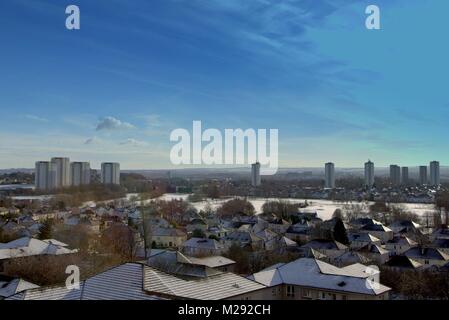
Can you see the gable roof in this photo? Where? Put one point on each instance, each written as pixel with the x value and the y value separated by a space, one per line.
pixel 365 237
pixel 26 246
pixel 426 253
pixel 123 282
pixel 314 273
pixel 11 286
pixel 318 244
pixel 403 262
pixel 221 286
pixel 203 243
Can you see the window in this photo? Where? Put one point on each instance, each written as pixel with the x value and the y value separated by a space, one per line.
pixel 273 291
pixel 344 297
pixel 323 295
pixel 426 261
pixel 307 294
pixel 290 291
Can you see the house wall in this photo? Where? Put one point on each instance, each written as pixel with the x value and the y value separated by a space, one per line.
pixel 287 292
pixel 396 249
pixel 168 241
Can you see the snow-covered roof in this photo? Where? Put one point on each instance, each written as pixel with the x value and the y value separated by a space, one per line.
pixel 221 286
pixel 314 273
pixel 124 282
pixel 202 243
pixel 26 246
pixel 11 286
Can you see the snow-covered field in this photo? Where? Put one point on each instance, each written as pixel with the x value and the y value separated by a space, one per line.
pixel 325 208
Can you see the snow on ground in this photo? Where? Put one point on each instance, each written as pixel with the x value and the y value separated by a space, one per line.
pixel 324 208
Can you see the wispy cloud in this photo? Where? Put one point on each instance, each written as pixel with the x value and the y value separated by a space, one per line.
pixel 133 142
pixel 35 118
pixel 111 123
pixel 93 140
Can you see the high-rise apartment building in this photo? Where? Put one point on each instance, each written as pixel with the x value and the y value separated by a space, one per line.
pixel 369 174
pixel 110 173
pixel 405 180
pixel 329 173
pixel 80 173
pixel 422 175
pixel 60 173
pixel 434 173
pixel 42 174
pixel 255 174
pixel 395 175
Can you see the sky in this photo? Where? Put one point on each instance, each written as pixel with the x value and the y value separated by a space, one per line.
pixel 136 70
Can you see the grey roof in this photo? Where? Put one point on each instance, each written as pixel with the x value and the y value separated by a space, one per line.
pixel 441 243
pixel 168 232
pixel 322 244
pixel 402 241
pixel 373 248
pixel 201 243
pixel 174 262
pixel 403 262
pixel 376 227
pixel 221 286
pixel 314 273
pixel 426 253
pixel 123 282
pixel 351 257
pixel 26 246
pixel 11 286
pixel 365 237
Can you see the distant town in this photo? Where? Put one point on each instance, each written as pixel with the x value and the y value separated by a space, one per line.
pixel 223 236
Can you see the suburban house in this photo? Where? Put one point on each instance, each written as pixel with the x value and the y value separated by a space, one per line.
pixel 406 227
pixel 359 240
pixel 375 253
pixel 428 256
pixel 379 231
pixel 398 245
pixel 300 232
pixel 403 263
pixel 349 258
pixel 197 224
pixel 442 245
pixel 311 279
pixel 168 237
pixel 175 262
pixel 202 247
pixel 26 247
pixel 330 248
pixel 244 238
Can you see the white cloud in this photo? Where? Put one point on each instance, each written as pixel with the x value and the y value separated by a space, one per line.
pixel 134 143
pixel 35 118
pixel 111 123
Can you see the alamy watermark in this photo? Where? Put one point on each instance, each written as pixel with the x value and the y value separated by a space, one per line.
pixel 72 282
pixel 373 279
pixel 232 147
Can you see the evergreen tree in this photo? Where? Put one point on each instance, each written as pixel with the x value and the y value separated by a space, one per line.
pixel 45 230
pixel 340 234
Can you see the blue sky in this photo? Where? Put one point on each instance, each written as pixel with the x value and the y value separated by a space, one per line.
pixel 114 90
